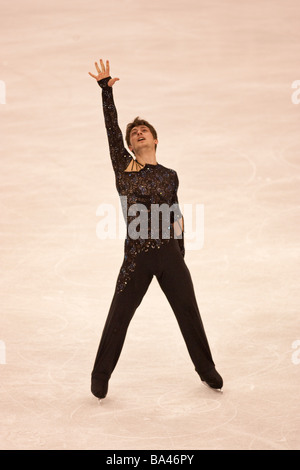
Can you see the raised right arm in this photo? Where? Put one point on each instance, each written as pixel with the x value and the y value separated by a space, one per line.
pixel 120 157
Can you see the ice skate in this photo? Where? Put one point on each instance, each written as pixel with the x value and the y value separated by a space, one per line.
pixel 219 390
pixel 99 388
pixel 212 379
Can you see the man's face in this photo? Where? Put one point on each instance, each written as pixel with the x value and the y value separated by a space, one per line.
pixel 140 138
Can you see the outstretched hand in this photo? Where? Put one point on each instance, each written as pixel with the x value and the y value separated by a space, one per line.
pixel 103 73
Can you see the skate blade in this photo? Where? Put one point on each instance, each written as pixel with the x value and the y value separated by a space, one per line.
pixel 218 390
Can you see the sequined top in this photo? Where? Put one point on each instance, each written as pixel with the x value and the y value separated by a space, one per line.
pixel 142 192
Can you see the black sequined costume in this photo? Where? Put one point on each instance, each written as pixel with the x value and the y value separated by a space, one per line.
pixel 151 185
pixel 161 256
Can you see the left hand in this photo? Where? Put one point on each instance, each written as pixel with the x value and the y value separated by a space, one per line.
pixel 103 73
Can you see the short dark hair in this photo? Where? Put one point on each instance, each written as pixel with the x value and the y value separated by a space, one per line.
pixel 139 122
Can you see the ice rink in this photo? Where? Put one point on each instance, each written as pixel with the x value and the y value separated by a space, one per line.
pixel 216 81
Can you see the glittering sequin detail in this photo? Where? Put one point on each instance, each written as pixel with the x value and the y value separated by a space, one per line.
pixel 152 186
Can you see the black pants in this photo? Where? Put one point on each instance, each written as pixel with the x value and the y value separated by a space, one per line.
pixel 171 271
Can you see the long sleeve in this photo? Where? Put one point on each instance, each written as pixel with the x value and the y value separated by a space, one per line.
pixel 120 157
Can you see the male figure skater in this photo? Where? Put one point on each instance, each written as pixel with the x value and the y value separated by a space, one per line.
pixel 141 180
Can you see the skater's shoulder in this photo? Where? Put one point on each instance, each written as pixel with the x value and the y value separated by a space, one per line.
pixel 171 171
